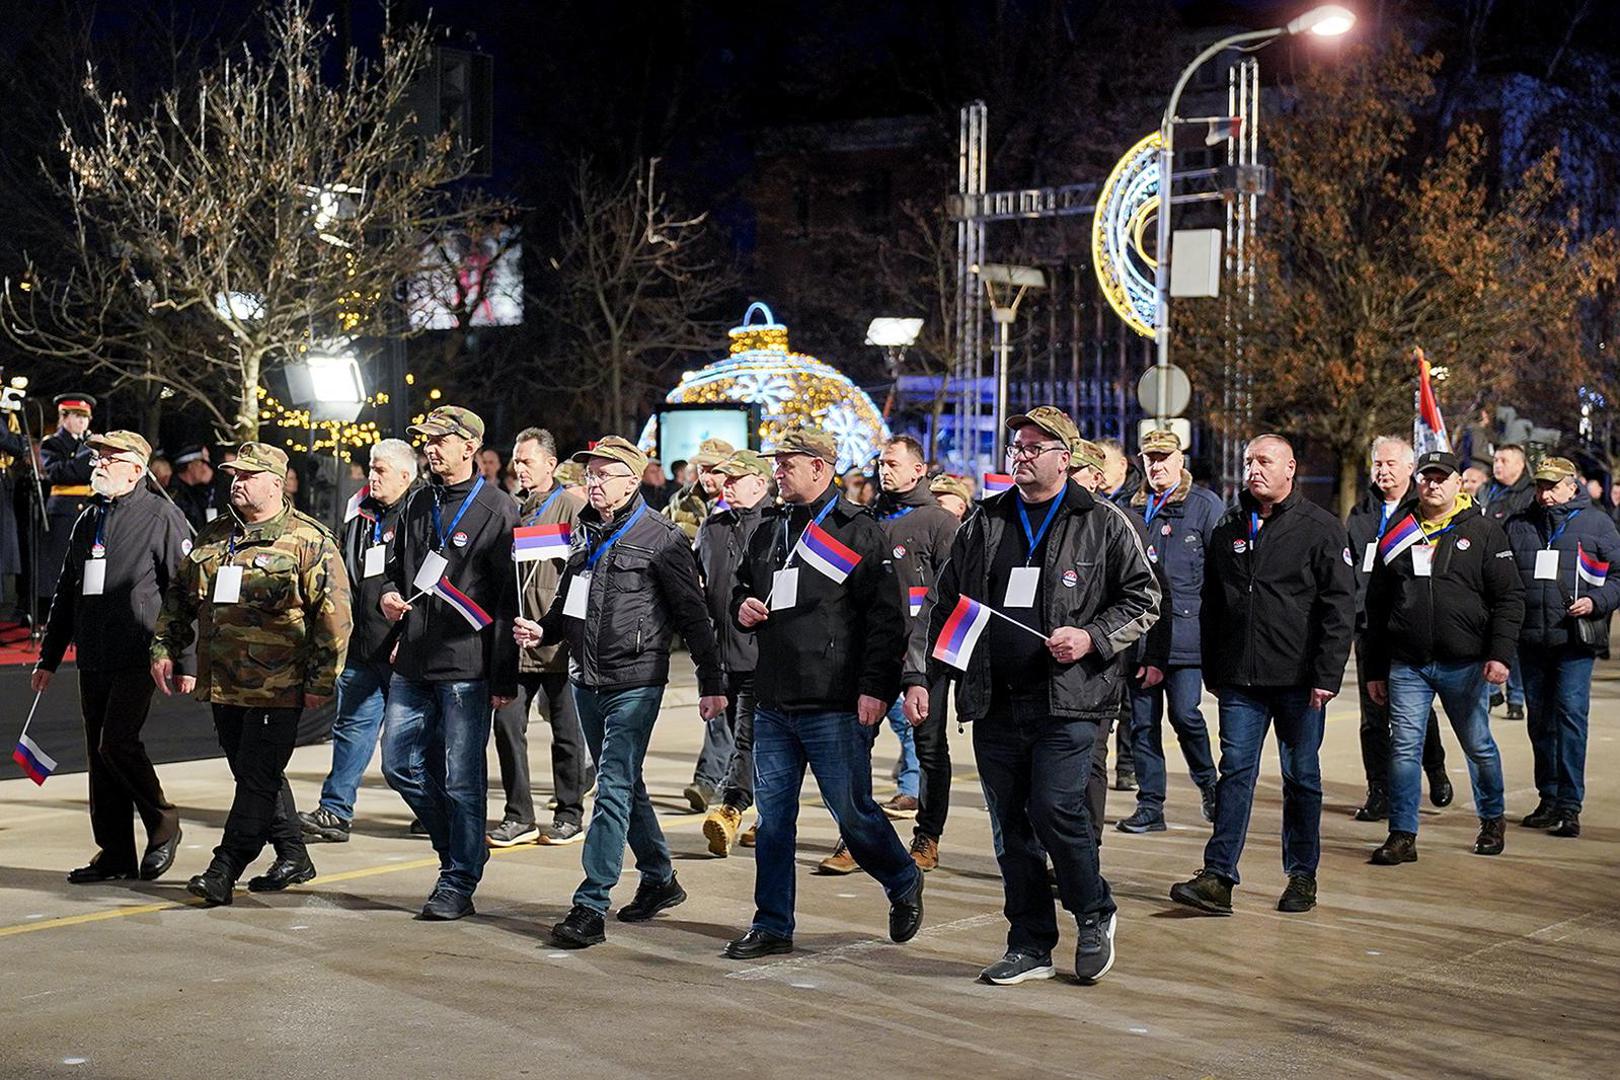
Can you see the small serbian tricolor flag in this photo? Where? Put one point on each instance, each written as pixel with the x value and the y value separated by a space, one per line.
pixel 34 761
pixel 961 633
pixel 917 594
pixel 1590 570
pixel 531 542
pixel 465 606
pixel 821 549
pixel 1401 536
pixel 720 506
pixel 995 483
pixel 352 510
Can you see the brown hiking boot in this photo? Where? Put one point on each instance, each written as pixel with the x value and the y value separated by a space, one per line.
pixel 748 834
pixel 924 852
pixel 900 807
pixel 720 829
pixel 839 862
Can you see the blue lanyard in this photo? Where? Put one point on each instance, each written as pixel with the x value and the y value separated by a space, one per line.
pixel 543 507
pixel 1153 507
pixel 825 510
pixel 439 530
pixel 1383 520
pixel 1254 529
pixel 376 530
pixel 1430 538
pixel 898 514
pixel 1035 538
pixel 99 548
pixel 596 556
pixel 1553 539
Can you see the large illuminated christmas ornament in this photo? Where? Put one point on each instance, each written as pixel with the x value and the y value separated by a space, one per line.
pixel 1129 201
pixel 788 387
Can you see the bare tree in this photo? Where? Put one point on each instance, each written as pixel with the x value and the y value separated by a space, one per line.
pixel 919 275
pixel 635 276
pixel 246 219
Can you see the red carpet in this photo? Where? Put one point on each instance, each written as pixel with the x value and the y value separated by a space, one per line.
pixel 17 648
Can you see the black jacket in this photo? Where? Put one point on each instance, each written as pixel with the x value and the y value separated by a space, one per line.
pixel 919 532
pixel 145 539
pixel 1281 612
pixel 1363 528
pixel 196 500
pixel 1468 608
pixel 1095 576
pixel 373 636
pixel 1501 503
pixel 839 641
pixel 643 589
pixel 722 542
pixel 436 644
pixel 1547 622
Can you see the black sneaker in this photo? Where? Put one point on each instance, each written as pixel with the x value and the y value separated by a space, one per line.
pixel 1143 821
pixel 283 873
pixel 1376 808
pixel 1544 816
pixel 1493 835
pixel 417 828
pixel 1401 847
pixel 512 834
pixel 698 796
pixel 1094 952
pixel 1207 891
pixel 1018 967
pixel 1207 794
pixel 1568 824
pixel 1299 897
pixel 446 905
pixel 1497 698
pixel 563 832
pixel 1125 780
pixel 322 825
pixel 1515 712
pixel 582 928
pixel 1440 790
pixel 651 899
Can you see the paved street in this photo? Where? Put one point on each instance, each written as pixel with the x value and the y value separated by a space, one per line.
pixel 1453 966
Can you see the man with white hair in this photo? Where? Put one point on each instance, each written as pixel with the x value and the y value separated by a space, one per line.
pixel 121 555
pixel 1387 501
pixel 362 689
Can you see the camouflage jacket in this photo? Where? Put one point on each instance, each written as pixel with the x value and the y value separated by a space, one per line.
pixel 688 508
pixel 287 633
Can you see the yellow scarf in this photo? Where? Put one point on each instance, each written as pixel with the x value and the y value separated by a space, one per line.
pixel 1464 501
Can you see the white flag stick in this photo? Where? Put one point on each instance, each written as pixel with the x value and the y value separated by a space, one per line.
pixel 32 709
pixel 1015 622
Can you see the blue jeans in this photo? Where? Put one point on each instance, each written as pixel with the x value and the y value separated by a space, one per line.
pixel 1515 692
pixel 1558 693
pixel 1463 694
pixel 434 735
pixel 1246 714
pixel 839 751
pixel 1182 687
pixel 618 726
pixel 910 772
pixel 362 694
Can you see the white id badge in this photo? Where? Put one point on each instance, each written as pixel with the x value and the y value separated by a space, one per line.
pixel 1422 561
pixel 376 556
pixel 95 576
pixel 210 514
pixel 228 585
pixel 579 594
pixel 1021 586
pixel 1369 556
pixel 1547 565
pixel 785 589
pixel 430 572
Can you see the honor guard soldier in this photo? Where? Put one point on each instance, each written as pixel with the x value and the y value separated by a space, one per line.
pixel 65 466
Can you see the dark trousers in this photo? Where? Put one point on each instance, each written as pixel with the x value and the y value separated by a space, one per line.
pixel 934 759
pixel 1375 734
pixel 737 789
pixel 1035 768
pixel 258 743
pixel 571 771
pixel 123 782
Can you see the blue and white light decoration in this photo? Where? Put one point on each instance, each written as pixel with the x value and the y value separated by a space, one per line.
pixel 788 387
pixel 1129 202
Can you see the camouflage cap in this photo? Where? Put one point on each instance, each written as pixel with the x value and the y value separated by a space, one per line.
pixel 949 484
pixel 615 448
pixel 451 420
pixel 712 452
pixel 745 463
pixel 1050 419
pixel 254 457
pixel 1554 469
pixel 570 474
pixel 1084 452
pixel 122 442
pixel 1161 441
pixel 803 439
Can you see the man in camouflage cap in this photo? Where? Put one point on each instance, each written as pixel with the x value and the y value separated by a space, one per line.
pixel 953 492
pixel 1085 454
pixel 266 589
pixel 691 506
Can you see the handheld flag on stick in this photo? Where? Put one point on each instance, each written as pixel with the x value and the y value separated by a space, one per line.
pixel 916 595
pixel 995 483
pixel 352 509
pixel 1428 428
pixel 1589 569
pixel 463 604
pixel 962 629
pixel 1401 536
pixel 34 761
pixel 820 549
pixel 530 542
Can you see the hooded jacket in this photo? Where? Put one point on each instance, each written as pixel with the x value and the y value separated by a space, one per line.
pixel 1177 538
pixel 1574 525
pixel 919 532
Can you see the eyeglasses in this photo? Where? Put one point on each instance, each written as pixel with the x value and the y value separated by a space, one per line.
pixel 601 479
pixel 1031 451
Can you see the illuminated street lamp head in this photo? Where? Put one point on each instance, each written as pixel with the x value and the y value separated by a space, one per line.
pixel 893 333
pixel 1329 20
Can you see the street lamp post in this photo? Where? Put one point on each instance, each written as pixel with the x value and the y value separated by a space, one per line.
pixel 1015 282
pixel 894 336
pixel 1328 20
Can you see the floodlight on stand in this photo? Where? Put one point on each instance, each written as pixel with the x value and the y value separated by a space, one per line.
pixel 328 383
pixel 893 333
